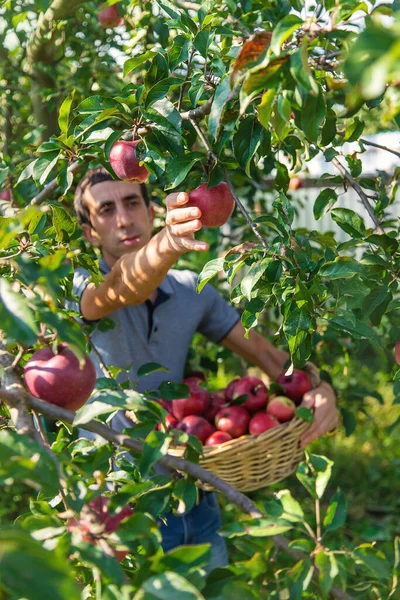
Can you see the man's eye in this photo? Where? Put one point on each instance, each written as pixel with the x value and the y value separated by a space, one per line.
pixel 106 210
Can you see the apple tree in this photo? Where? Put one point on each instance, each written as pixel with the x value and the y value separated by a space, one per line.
pixel 245 93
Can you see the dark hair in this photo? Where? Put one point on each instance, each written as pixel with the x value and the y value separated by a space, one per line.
pixel 91 177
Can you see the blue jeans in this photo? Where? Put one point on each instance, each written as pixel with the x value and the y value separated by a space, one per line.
pixel 198 526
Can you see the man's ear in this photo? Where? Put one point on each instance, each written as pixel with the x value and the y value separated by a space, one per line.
pixel 91 235
pixel 152 212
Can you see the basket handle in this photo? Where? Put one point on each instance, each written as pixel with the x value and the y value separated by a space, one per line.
pixel 313 374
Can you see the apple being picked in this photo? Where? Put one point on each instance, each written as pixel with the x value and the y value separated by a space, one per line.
pixel 58 378
pixel 261 422
pixel 295 385
pixel 216 203
pixel 281 408
pixel 197 426
pixel 252 387
pixel 109 17
pixel 218 437
pixel 125 163
pixel 233 419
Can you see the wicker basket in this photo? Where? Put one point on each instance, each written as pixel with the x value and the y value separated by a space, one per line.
pixel 252 462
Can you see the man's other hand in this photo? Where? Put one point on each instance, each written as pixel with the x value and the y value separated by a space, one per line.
pixel 182 222
pixel 323 400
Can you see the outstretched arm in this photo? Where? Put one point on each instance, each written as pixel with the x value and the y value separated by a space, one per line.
pixel 136 275
pixel 261 353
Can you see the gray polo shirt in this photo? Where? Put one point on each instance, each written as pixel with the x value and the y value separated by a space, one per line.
pixel 160 333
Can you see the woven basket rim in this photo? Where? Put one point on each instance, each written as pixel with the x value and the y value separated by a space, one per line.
pixel 247 441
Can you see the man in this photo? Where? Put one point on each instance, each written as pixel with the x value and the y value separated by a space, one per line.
pixel 156 311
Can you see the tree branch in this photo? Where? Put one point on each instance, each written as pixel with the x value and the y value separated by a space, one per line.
pixel 47 191
pixel 356 186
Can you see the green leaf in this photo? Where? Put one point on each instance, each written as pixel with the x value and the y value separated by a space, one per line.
pixel 221 95
pixel 322 466
pixel 258 527
pixel 253 275
pixel 202 41
pixel 106 402
pixel 93 556
pixel 182 560
pixel 283 30
pixel 209 270
pixel 328 570
pixel 178 168
pixel 246 141
pixel 358 329
pixel 151 367
pixel 65 109
pixel 265 107
pixel 343 267
pixel 324 202
pixel 313 114
pixel 349 221
pixel 376 303
pixel 16 317
pixel 155 447
pixel 337 511
pixel 293 511
pixel 30 571
pixel 304 413
pixel 23 460
pixel 132 63
pixel 168 586
pixel 63 223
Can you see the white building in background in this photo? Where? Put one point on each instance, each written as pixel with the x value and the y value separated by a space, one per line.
pixel 375 162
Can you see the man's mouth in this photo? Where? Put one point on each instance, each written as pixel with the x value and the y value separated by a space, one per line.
pixel 130 240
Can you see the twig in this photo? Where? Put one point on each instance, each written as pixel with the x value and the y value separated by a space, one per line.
pixel 244 211
pixel 375 145
pixel 182 90
pixel 47 191
pixel 356 186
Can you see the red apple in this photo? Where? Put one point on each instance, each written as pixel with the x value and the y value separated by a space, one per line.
pixel 109 17
pixel 218 437
pixel 261 422
pixel 197 402
pixel 166 404
pixel 5 195
pixel 58 378
pixel 197 426
pixel 216 204
pixel 170 421
pixel 295 385
pixel 281 408
pixel 397 352
pixel 125 163
pixel 295 183
pixel 217 401
pixel 252 387
pixel 233 419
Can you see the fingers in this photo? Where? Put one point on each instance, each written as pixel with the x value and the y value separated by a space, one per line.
pixel 176 199
pixel 308 400
pixel 181 215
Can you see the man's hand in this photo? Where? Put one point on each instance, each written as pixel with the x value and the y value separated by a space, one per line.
pixel 181 224
pixel 326 417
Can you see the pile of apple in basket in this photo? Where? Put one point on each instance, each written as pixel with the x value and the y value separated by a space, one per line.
pixel 244 407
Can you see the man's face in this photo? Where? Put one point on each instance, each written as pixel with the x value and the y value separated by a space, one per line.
pixel 121 221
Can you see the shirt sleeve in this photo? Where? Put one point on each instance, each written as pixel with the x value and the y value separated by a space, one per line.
pixel 219 317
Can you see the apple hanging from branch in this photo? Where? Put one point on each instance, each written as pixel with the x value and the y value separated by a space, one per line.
pixel 58 378
pixel 125 163
pixel 109 17
pixel 216 203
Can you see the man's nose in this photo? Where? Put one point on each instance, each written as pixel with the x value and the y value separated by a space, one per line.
pixel 124 217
